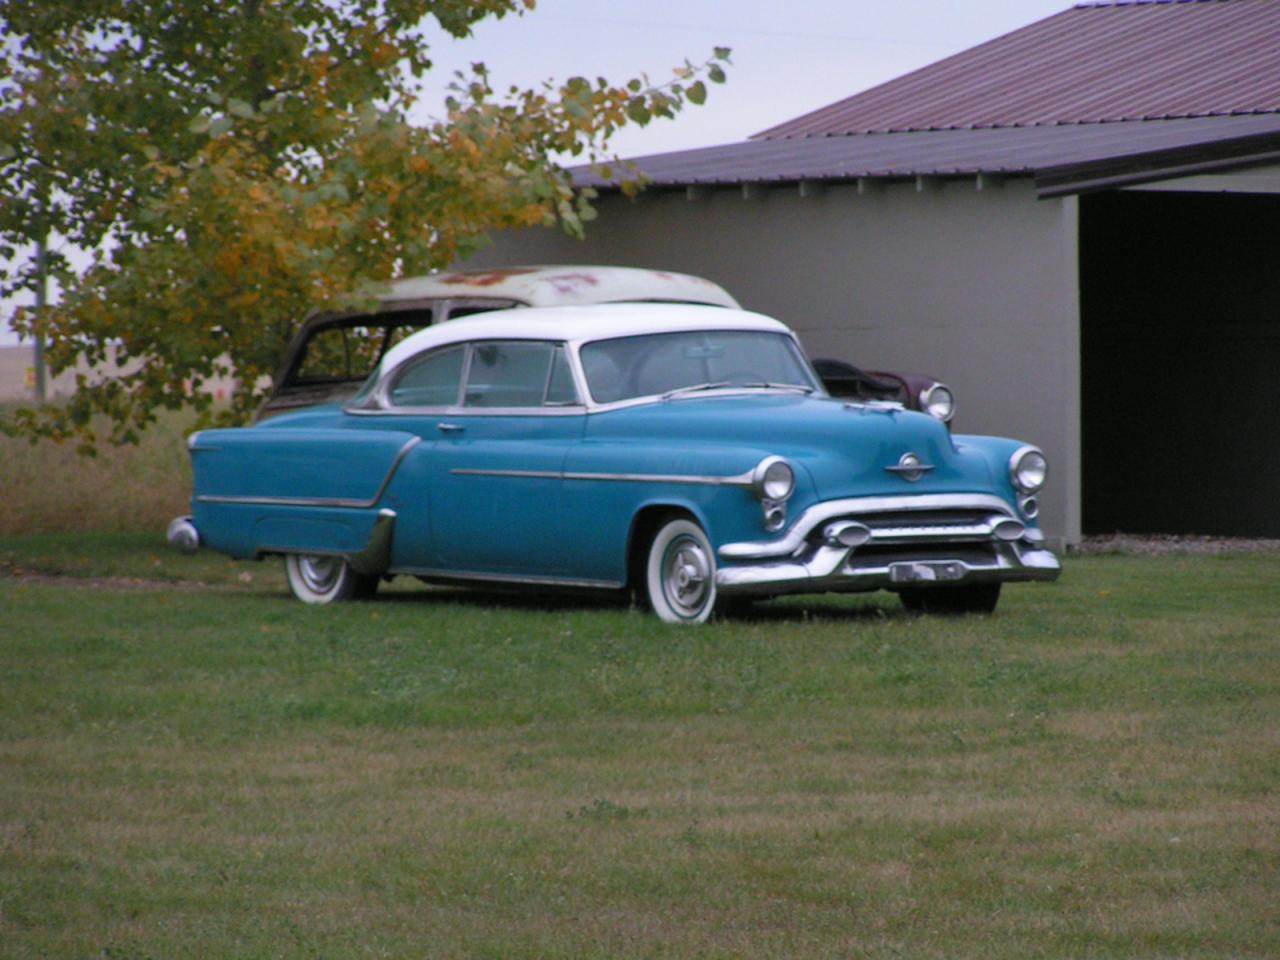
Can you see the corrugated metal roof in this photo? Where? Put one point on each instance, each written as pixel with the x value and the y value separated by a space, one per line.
pixel 1136 60
pixel 1073 155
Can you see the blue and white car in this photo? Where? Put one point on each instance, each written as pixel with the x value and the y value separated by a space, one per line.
pixel 687 452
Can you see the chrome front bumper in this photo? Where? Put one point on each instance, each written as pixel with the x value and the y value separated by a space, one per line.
pixel 908 542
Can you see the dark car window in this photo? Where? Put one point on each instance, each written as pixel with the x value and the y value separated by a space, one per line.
pixel 349 352
pixel 517 374
pixel 432 381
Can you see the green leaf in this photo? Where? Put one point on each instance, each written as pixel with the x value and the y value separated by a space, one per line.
pixel 715 73
pixel 638 112
pixel 219 125
pixel 199 124
pixel 697 93
pixel 238 108
pixel 722 53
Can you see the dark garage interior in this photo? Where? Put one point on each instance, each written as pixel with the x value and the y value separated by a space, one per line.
pixel 1180 353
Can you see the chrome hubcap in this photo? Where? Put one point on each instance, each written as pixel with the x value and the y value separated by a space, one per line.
pixel 319 573
pixel 686 572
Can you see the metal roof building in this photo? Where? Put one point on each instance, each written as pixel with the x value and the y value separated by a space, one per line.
pixel 1077 225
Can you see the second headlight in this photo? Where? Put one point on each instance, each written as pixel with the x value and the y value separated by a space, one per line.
pixel 773 479
pixel 1028 469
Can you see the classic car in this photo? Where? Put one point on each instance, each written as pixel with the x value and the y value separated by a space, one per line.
pixel 332 354
pixel 687 452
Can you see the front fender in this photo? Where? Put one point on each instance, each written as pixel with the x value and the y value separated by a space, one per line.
pixel 995 452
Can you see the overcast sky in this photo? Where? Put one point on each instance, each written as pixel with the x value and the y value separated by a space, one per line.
pixel 789 56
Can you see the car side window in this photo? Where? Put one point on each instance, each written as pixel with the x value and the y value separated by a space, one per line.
pixel 518 374
pixel 433 381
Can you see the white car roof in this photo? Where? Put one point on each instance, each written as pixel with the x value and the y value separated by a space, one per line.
pixel 545 286
pixel 579 324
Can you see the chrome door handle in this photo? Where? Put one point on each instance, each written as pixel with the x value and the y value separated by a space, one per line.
pixel 450 427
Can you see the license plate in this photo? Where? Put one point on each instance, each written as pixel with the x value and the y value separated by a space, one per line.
pixel 926 571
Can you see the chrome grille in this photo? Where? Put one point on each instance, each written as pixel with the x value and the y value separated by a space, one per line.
pixel 924 526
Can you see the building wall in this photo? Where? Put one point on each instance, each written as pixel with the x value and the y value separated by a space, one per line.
pixel 976 287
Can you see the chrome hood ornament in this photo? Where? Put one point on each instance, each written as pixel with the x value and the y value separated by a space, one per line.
pixel 910 468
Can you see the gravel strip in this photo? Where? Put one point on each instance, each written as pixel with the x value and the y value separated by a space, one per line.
pixel 1154 545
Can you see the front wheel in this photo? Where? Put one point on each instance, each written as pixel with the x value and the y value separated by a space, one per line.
pixel 952 601
pixel 681 573
pixel 320 579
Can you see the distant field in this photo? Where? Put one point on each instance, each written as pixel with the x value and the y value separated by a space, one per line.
pixel 48 488
pixel 191 764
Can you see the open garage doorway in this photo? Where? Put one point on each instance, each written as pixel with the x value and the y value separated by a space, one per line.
pixel 1180 355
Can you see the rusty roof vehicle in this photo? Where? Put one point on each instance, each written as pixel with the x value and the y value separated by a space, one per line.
pixel 332 354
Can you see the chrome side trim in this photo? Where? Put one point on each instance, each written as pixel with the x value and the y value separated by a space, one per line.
pixel 454 410
pixel 821 512
pixel 335 502
pixel 741 480
pixel 455 576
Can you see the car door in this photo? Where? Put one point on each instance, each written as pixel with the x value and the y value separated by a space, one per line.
pixel 496 462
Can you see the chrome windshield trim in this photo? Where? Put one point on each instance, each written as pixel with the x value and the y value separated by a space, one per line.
pixel 328 502
pixel 740 480
pixel 830 509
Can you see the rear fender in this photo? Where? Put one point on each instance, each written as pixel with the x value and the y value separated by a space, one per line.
pixel 297 491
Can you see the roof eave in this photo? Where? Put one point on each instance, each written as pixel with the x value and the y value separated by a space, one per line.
pixel 1114 172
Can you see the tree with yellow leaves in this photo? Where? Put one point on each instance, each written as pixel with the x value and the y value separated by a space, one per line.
pixel 232 166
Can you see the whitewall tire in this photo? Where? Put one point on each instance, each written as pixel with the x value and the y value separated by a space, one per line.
pixel 322 579
pixel 680 574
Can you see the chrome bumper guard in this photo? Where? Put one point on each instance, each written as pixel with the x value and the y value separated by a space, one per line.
pixel 872 543
pixel 183 535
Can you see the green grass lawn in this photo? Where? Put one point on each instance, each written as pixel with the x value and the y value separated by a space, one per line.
pixel 193 764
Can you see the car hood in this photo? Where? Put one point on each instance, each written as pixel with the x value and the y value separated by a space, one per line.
pixel 846 448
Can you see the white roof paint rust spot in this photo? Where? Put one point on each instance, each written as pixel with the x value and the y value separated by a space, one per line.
pixel 579 324
pixel 556 285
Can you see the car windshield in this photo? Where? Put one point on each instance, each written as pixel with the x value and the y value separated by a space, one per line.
pixel 670 363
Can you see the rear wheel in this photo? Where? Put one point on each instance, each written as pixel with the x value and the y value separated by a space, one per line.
pixel 321 579
pixel 680 574
pixel 952 601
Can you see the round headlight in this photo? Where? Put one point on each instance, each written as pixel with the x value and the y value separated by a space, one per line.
pixel 1028 469
pixel 774 479
pixel 938 401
